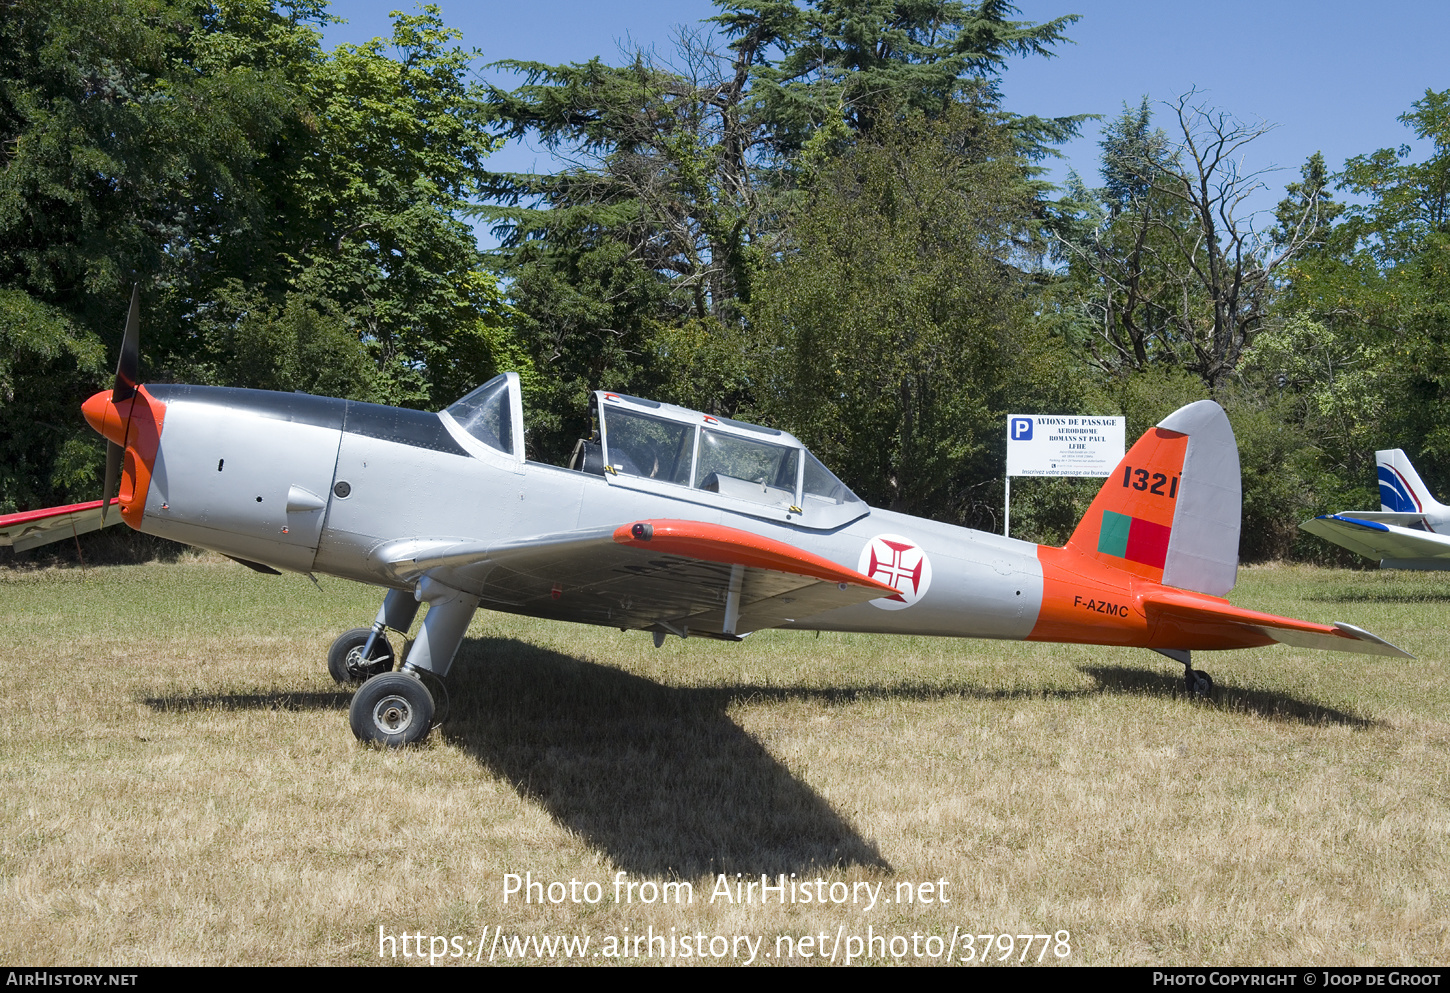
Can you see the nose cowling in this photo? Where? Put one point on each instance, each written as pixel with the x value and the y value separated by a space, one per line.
pixel 135 425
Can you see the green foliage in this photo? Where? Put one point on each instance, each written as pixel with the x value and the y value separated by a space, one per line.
pixel 583 313
pixel 867 61
pixel 701 364
pixel 1161 270
pixel 291 215
pixel 688 174
pixel 288 346
pixel 1362 356
pixel 43 356
pixel 398 151
pixel 889 338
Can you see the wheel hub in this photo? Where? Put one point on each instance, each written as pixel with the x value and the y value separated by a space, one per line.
pixel 357 664
pixel 392 714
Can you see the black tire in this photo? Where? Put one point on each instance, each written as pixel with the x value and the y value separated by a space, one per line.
pixel 394 709
pixel 1200 684
pixel 345 662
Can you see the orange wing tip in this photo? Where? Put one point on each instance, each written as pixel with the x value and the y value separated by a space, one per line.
pixel 731 546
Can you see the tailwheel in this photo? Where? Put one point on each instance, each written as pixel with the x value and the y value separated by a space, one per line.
pixel 393 709
pixel 347 663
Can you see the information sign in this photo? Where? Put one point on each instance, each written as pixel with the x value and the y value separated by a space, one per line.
pixel 1063 445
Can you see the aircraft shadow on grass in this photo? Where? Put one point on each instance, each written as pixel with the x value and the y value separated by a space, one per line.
pixel 276 700
pixel 660 778
pixel 1268 704
pixel 657 777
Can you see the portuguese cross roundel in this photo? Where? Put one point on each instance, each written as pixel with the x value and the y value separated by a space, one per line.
pixel 898 562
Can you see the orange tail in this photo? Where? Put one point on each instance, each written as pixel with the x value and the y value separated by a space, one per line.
pixel 1170 512
pixel 1130 524
pixel 1169 517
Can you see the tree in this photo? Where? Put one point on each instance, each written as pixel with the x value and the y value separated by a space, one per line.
pixel 1165 264
pixel 894 335
pixel 136 149
pixel 683 171
pixel 1357 358
pixel 1379 288
pixel 276 204
pixel 396 158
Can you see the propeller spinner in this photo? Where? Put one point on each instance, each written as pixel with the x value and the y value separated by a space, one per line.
pixel 111 415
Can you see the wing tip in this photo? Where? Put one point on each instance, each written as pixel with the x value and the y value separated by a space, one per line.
pixel 1361 635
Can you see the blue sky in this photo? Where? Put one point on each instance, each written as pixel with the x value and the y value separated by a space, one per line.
pixel 1333 76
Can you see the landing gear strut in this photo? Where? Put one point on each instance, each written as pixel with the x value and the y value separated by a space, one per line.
pixel 1196 682
pixel 395 708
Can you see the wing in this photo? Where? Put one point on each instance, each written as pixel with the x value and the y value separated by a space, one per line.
pixel 1387 542
pixel 33 528
pixel 1172 614
pixel 681 577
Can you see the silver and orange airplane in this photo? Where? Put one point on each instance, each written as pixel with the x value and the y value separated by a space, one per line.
pixel 666 520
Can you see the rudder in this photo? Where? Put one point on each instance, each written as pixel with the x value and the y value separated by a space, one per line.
pixel 1170 513
pixel 1401 489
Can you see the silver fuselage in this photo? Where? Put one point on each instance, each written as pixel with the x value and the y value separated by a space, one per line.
pixel 312 484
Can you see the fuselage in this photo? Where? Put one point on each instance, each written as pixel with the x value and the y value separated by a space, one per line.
pixel 313 484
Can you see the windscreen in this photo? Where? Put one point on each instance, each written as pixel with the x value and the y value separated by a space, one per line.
pixel 823 488
pixel 484 414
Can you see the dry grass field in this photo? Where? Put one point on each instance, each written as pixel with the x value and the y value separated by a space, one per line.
pixel 181 787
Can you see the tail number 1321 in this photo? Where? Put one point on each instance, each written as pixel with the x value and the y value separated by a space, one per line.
pixel 1154 482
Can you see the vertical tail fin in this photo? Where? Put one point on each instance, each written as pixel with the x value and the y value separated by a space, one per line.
pixel 1401 489
pixel 1170 512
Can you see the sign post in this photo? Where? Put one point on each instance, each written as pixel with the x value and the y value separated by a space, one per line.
pixel 1060 445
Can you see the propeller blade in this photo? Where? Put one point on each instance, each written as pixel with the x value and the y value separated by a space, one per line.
pixel 128 365
pixel 114 454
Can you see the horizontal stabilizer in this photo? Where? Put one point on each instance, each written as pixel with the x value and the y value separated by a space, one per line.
pixel 1182 618
pixel 1386 517
pixel 33 528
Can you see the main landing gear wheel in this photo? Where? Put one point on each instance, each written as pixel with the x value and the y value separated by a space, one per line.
pixel 1198 683
pixel 345 659
pixel 393 709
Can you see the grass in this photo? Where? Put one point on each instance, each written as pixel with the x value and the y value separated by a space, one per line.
pixel 182 786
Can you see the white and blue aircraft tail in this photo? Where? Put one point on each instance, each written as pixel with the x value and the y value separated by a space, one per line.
pixel 1411 530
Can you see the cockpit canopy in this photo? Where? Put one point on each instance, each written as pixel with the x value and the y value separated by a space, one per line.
pixel 752 469
pixel 660 448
